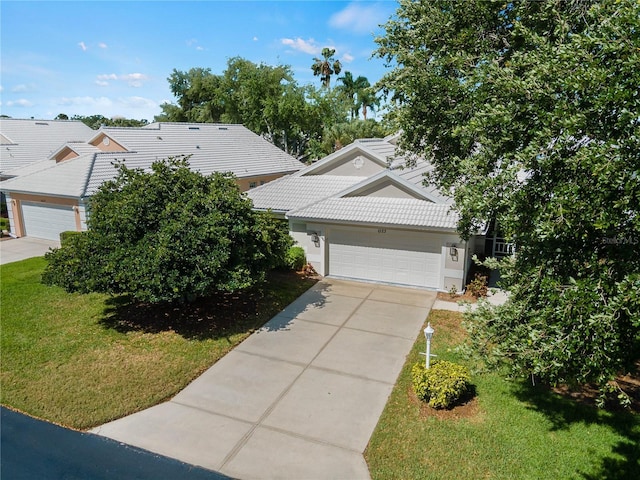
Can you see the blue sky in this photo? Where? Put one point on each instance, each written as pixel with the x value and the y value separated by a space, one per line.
pixel 113 57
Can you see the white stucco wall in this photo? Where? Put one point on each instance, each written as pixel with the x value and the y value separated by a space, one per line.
pixel 452 269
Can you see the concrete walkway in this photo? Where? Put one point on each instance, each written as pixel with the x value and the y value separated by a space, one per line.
pixel 495 297
pixel 15 249
pixel 299 398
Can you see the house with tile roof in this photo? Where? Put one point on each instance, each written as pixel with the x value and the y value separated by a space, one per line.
pixel 27 142
pixel 361 213
pixel 50 196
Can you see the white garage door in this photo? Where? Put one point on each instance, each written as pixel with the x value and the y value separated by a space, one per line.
pixel 409 258
pixel 47 221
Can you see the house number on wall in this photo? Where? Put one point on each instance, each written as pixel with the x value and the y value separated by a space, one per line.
pixel 382 230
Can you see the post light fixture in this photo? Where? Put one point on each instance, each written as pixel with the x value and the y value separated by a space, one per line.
pixel 428 333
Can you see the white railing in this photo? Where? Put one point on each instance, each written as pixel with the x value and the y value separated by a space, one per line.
pixel 501 248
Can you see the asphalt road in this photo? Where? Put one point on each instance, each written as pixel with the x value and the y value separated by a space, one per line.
pixel 33 449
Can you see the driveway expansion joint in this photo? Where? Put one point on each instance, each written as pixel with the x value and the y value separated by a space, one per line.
pixel 296 399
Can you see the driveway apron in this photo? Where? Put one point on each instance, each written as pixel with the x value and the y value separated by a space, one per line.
pixel 299 398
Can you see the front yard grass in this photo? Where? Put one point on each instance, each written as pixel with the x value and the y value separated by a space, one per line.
pixel 511 429
pixel 83 360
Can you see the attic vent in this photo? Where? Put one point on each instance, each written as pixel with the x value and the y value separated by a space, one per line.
pixel 194 128
pixel 159 137
pixel 223 128
pixel 42 123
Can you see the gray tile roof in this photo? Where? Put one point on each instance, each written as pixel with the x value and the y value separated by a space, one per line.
pixel 416 176
pixel 65 179
pixel 26 142
pixel 308 196
pixel 293 191
pixel 213 147
pixel 405 212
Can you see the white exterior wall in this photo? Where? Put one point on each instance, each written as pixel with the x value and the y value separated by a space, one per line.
pixel 315 252
pixel 452 269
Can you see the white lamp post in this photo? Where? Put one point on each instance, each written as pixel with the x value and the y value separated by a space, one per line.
pixel 428 333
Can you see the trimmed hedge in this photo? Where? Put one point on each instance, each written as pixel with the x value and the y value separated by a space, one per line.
pixel 444 384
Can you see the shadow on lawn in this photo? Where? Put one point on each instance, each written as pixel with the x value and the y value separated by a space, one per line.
pixel 624 461
pixel 217 316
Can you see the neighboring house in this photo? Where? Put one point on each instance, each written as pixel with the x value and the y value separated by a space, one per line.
pixel 26 142
pixel 359 214
pixel 51 196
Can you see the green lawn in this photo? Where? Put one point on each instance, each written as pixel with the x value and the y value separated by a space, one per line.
pixel 511 431
pixel 82 360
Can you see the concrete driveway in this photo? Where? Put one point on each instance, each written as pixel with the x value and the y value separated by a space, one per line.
pixel 15 249
pixel 299 398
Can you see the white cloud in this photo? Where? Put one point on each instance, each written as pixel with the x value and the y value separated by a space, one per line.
pixel 133 79
pixel 107 76
pixel 21 88
pixel 347 58
pixel 137 102
pixel 19 103
pixel 255 39
pixel 93 102
pixel 307 46
pixel 82 46
pixel 102 45
pixel 359 18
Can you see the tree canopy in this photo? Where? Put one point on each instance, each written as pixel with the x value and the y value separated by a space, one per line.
pixel 97 121
pixel 265 99
pixel 530 112
pixel 169 234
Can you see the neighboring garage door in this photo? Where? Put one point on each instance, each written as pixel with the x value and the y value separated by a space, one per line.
pixel 409 258
pixel 46 220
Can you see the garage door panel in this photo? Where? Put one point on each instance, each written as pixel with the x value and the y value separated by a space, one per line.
pixel 47 220
pixel 411 258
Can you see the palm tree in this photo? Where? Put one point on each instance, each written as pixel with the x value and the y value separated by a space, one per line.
pixel 326 66
pixel 352 88
pixel 367 99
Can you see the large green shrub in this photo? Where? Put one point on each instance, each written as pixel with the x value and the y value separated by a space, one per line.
pixel 169 234
pixel 4 224
pixel 64 236
pixel 442 385
pixel 295 258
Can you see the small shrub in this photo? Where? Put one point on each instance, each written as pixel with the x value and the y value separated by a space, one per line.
pixel 453 291
pixel 64 236
pixel 295 258
pixel 442 385
pixel 478 286
pixel 4 224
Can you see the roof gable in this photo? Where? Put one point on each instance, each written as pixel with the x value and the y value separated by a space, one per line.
pixel 387 184
pixel 106 143
pixel 354 160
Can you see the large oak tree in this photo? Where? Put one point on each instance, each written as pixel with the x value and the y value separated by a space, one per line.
pixel 530 111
